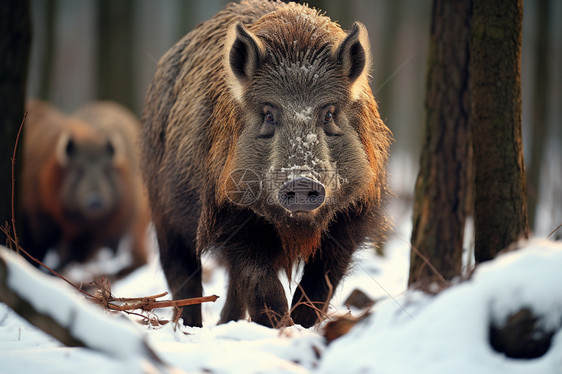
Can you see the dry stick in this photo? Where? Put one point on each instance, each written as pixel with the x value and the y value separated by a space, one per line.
pixel 330 294
pixel 428 263
pixel 132 299
pixel 553 231
pixel 131 303
pixel 14 180
pixel 178 303
pixel 309 303
pixel 20 249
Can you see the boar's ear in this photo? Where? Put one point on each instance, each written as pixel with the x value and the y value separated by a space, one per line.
pixel 353 54
pixel 65 149
pixel 243 53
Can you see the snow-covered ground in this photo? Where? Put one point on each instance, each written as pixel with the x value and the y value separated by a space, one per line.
pixel 407 331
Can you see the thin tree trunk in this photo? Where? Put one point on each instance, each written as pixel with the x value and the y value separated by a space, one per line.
pixel 388 63
pixel 442 183
pixel 115 61
pixel 495 65
pixel 540 106
pixel 15 41
pixel 48 57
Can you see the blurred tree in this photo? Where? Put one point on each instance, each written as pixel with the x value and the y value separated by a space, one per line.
pixel 388 63
pixel 15 28
pixel 48 57
pixel 500 205
pixel 442 183
pixel 185 15
pixel 115 61
pixel 540 105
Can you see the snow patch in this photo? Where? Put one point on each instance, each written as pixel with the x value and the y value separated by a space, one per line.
pixel 304 115
pixel 407 331
pixel 449 332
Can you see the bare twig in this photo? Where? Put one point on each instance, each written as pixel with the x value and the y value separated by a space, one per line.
pixel 106 299
pixel 20 250
pixel 427 262
pixel 14 180
pixel 553 231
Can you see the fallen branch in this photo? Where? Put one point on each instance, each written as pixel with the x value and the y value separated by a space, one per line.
pixel 105 298
pixel 67 318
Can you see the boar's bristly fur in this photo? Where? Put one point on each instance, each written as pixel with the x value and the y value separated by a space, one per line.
pixel 262 144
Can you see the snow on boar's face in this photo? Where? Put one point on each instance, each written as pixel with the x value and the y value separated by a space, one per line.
pixel 311 142
pixel 91 188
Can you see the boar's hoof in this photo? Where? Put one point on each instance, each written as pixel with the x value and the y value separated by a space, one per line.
pixel 302 194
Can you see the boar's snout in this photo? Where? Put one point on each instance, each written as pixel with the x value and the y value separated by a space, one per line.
pixel 302 194
pixel 95 206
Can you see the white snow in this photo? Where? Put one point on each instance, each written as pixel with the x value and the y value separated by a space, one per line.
pixel 449 332
pixel 112 335
pixel 304 115
pixel 407 331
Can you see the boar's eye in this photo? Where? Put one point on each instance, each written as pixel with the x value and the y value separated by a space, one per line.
pixel 329 114
pixel 268 126
pixel 269 118
pixel 330 127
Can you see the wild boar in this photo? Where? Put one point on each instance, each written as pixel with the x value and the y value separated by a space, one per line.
pixel 81 186
pixel 262 144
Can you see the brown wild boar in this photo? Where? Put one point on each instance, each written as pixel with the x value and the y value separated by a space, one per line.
pixel 81 187
pixel 262 144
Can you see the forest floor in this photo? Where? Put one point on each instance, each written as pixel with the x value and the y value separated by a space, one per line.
pixel 405 332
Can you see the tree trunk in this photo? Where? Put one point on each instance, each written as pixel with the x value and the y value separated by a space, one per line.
pixel 46 75
pixel 15 28
pixel 115 61
pixel 540 105
pixel 442 183
pixel 495 65
pixel 388 63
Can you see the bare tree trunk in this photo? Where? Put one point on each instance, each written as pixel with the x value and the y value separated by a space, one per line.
pixel 15 41
pixel 388 63
pixel 540 106
pixel 115 42
pixel 442 183
pixel 495 65
pixel 46 75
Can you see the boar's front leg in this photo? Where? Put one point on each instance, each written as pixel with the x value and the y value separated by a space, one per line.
pixel 253 281
pixel 322 274
pixel 256 287
pixel 182 267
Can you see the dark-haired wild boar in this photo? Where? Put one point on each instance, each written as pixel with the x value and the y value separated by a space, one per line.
pixel 262 144
pixel 81 187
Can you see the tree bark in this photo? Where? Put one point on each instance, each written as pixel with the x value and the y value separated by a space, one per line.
pixel 115 60
pixel 540 105
pixel 15 41
pixel 495 64
pixel 442 183
pixel 49 55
